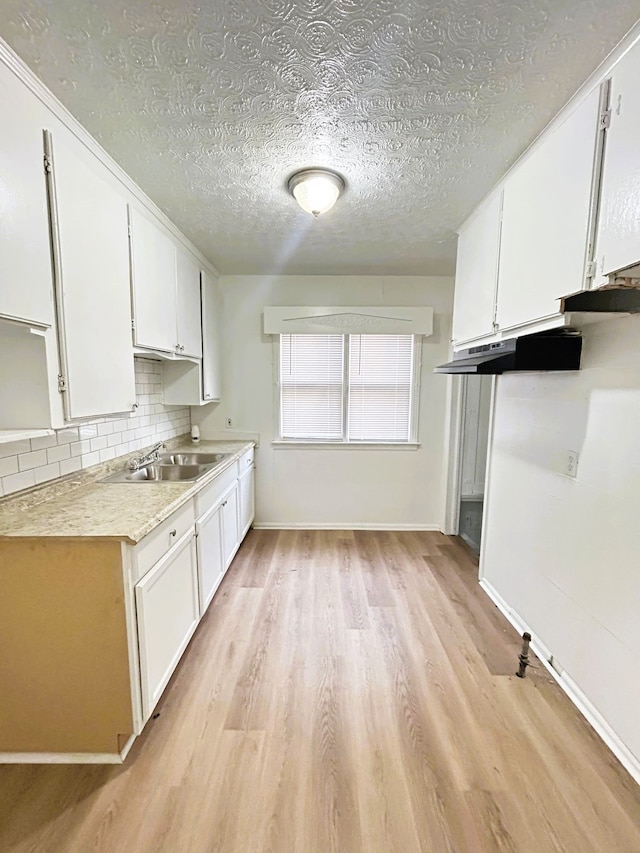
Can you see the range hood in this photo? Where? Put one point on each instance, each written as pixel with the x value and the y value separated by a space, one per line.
pixel 544 351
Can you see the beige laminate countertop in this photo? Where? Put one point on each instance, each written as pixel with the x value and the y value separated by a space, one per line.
pixel 80 506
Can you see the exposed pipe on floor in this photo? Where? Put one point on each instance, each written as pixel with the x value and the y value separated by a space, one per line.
pixel 524 655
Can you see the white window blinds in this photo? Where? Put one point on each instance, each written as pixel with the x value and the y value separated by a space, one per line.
pixel 380 386
pixel 311 386
pixel 347 387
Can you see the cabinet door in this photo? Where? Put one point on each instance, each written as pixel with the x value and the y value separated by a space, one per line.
pixel 210 554
pixel 95 290
pixel 546 216
pixel 188 304
pixel 618 241
pixel 26 288
pixel 153 274
pixel 230 531
pixel 477 273
pixel 246 500
pixel 211 338
pixel 168 613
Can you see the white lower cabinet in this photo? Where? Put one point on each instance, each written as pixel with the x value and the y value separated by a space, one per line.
pixel 230 529
pixel 211 565
pixel 246 494
pixel 168 613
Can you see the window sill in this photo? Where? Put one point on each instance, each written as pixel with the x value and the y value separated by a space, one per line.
pixel 282 444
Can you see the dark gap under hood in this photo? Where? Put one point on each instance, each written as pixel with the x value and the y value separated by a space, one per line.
pixel 544 351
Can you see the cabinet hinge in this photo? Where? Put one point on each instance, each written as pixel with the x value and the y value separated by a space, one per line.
pixel 591 269
pixel 47 163
pixel 133 325
pixel 605 119
pixel 62 383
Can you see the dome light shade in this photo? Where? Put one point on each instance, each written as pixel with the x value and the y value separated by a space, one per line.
pixel 316 190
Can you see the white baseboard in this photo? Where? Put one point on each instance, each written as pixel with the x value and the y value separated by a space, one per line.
pixel 340 525
pixel 628 760
pixel 67 757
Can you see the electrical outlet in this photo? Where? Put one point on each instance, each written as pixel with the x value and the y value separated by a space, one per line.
pixel 571 463
pixel 229 423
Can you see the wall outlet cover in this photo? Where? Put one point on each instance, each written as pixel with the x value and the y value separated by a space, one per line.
pixel 571 463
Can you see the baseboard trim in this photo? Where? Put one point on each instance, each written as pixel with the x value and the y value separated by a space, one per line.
pixel 624 755
pixel 340 525
pixel 67 757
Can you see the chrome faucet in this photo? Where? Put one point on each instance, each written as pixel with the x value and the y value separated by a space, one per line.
pixel 152 456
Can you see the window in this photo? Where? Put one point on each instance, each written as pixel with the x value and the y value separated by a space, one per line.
pixel 348 388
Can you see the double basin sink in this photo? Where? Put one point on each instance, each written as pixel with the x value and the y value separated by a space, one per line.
pixel 171 468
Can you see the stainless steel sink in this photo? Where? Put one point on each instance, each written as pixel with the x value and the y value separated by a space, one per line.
pixel 159 473
pixel 192 458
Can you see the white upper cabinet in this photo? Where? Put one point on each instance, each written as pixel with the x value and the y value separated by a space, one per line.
pixel 188 304
pixel 166 291
pixel 153 275
pixel 477 272
pixel 211 338
pixel 546 220
pixel 26 291
pixel 618 241
pixel 90 218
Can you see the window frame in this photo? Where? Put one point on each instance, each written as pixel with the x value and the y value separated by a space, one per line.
pixel 411 444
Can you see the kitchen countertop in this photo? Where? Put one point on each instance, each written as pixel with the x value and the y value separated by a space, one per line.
pixel 80 506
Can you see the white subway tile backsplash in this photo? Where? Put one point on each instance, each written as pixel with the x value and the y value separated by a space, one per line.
pixel 47 472
pixel 8 465
pixel 68 466
pixel 43 441
pixel 27 462
pixel 56 454
pixel 67 435
pixel 12 448
pixel 15 482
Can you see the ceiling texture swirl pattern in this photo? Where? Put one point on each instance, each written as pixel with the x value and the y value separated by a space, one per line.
pixel 210 106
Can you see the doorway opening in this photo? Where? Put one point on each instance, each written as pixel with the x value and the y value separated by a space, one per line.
pixel 474 440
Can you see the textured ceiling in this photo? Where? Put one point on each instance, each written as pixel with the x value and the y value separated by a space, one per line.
pixel 209 106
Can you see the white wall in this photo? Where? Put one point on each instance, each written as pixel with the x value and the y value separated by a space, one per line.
pixel 564 554
pixel 29 462
pixel 333 487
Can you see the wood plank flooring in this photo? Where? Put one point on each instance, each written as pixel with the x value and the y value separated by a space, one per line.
pixel 349 692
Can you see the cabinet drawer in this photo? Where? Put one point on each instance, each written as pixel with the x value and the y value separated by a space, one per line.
pixel 246 461
pixel 207 496
pixel 156 544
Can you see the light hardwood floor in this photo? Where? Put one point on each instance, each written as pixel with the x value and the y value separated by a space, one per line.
pixel 348 692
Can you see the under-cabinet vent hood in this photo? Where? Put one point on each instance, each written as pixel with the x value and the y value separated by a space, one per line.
pixel 544 351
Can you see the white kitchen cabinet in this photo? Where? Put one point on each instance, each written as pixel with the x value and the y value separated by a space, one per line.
pixel 477 272
pixel 191 383
pixel 168 613
pixel 546 218
pixel 210 550
pixel 26 285
pixel 89 223
pixel 153 278
pixel 166 291
pixel 246 493
pixel 211 338
pixel 188 311
pixel 230 524
pixel 618 240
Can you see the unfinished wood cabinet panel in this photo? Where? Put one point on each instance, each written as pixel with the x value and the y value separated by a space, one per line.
pixel 64 667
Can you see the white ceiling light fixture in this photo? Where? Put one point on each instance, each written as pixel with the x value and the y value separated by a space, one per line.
pixel 316 190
